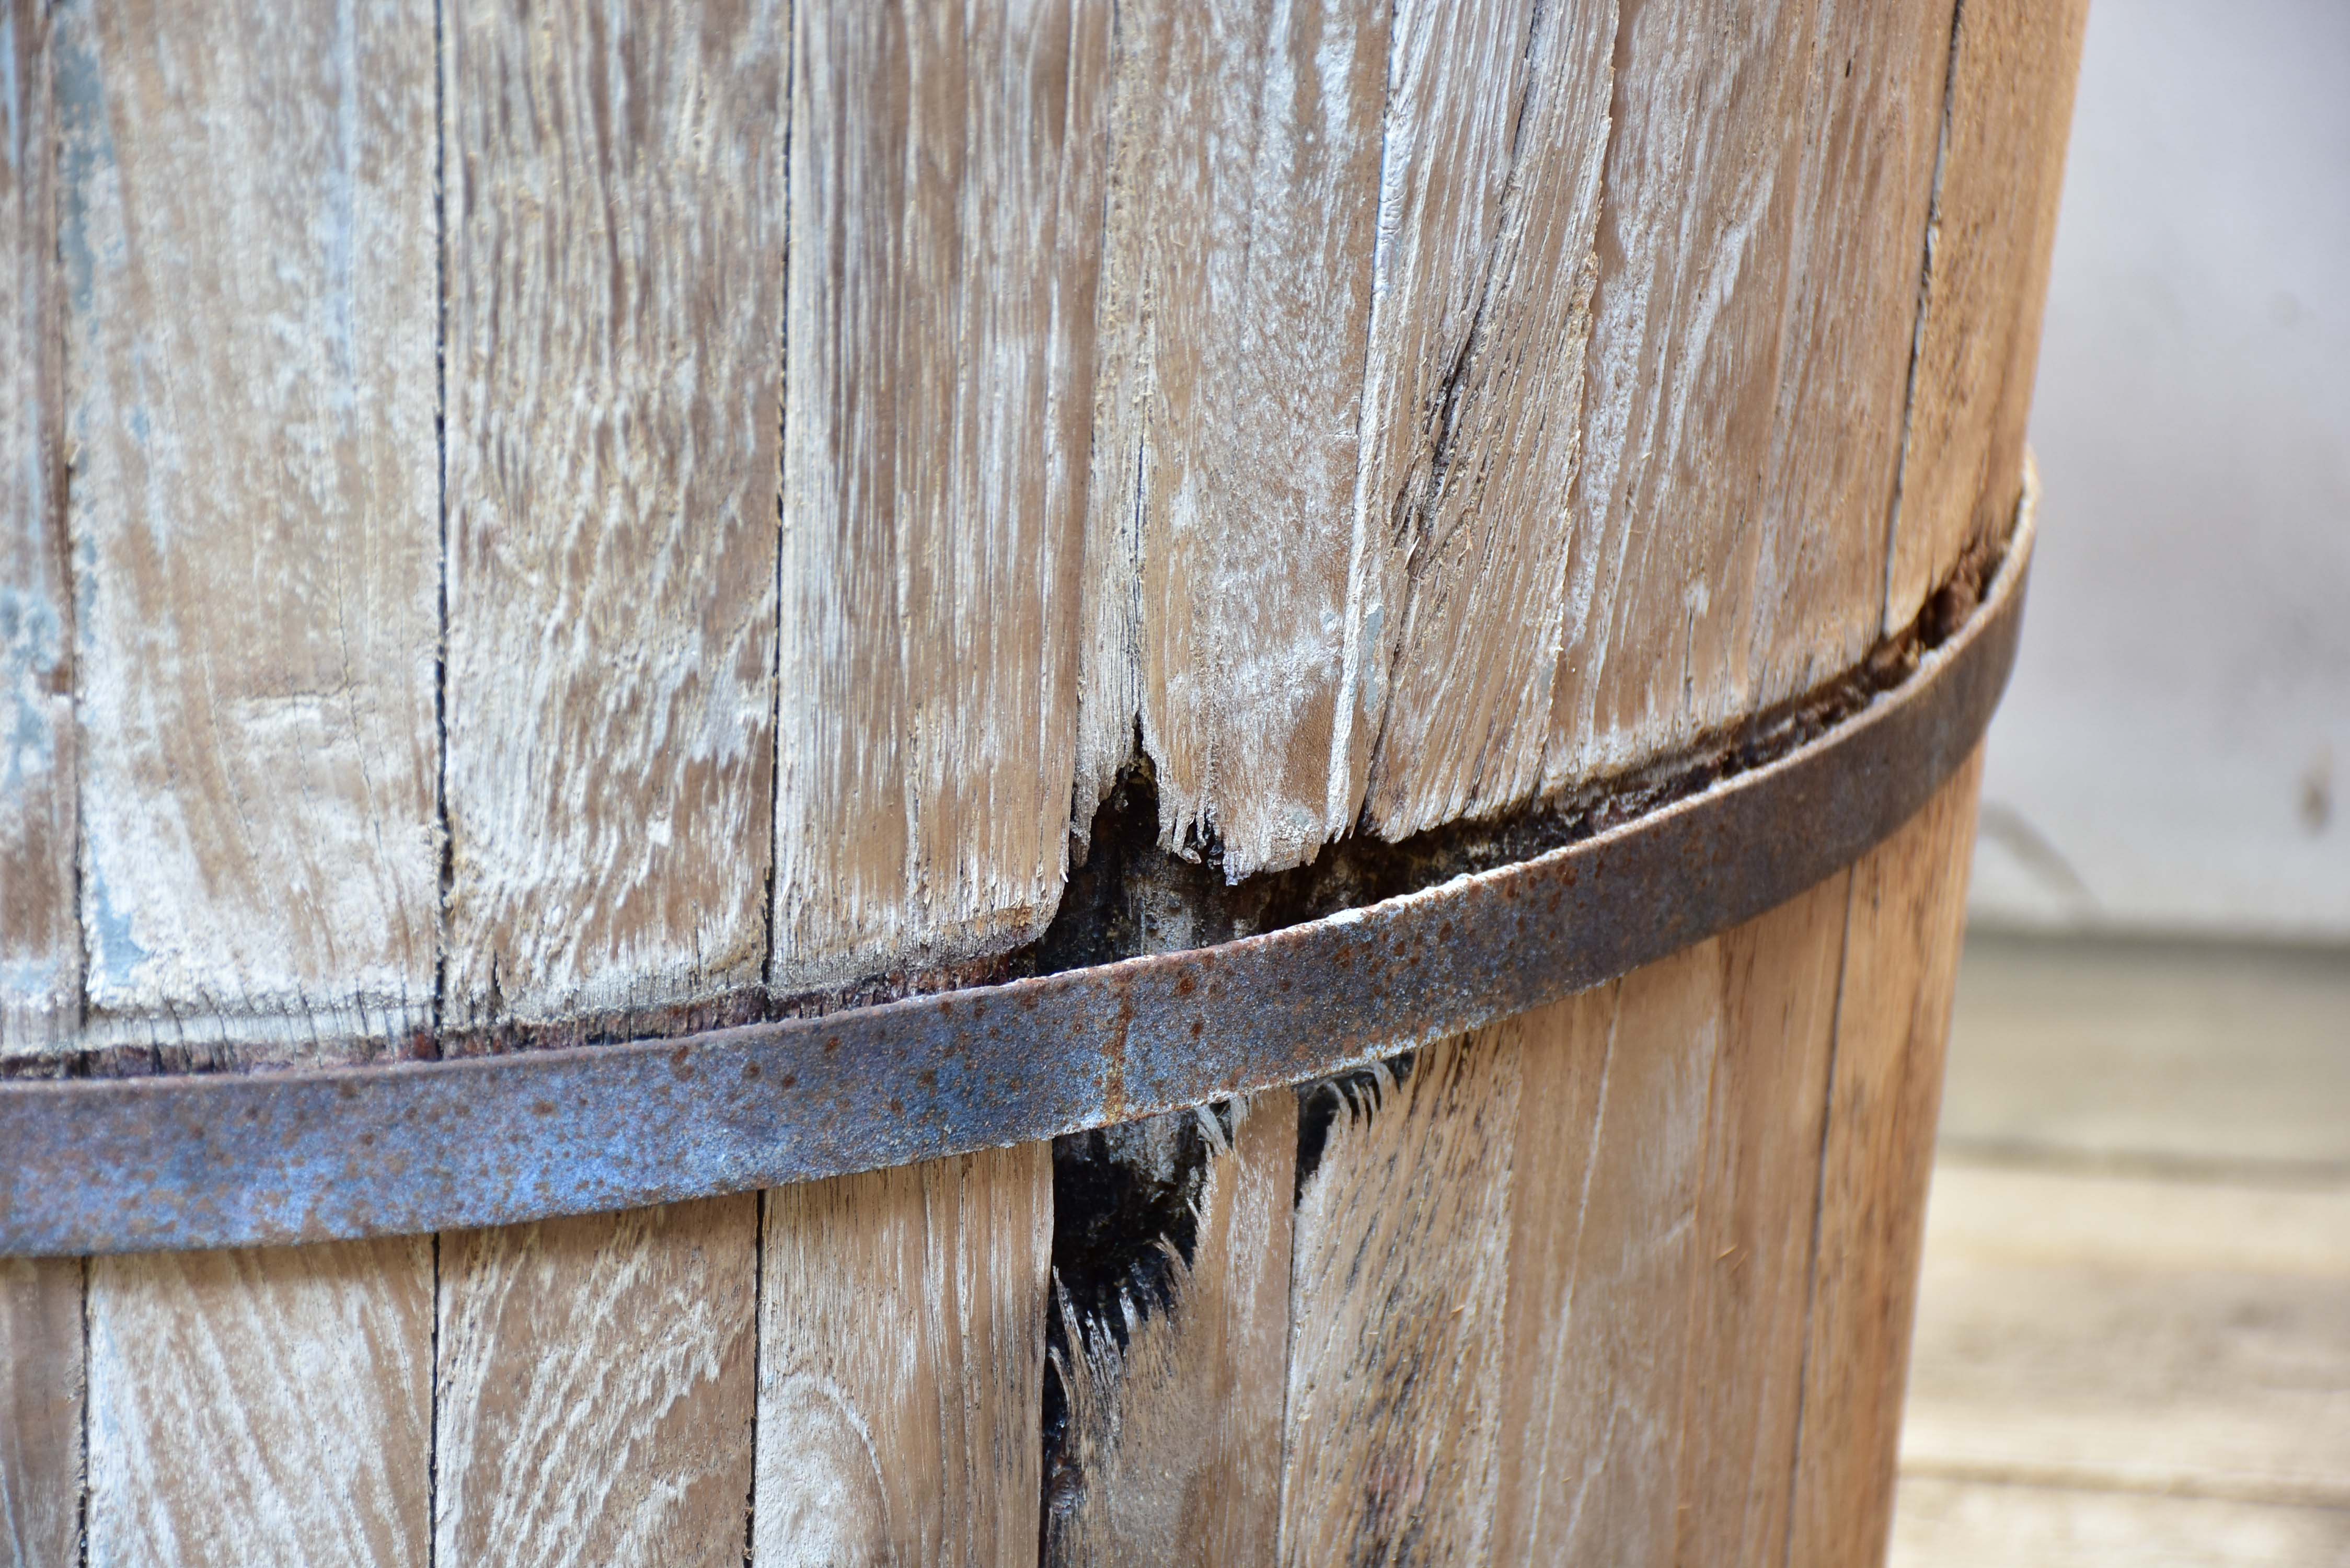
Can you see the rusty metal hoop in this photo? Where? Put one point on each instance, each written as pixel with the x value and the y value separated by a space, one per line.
pixel 244 1158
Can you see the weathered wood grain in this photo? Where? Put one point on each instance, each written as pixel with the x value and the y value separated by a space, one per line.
pixel 40 1412
pixel 1743 1387
pixel 946 176
pixel 1901 952
pixel 40 939
pixel 1767 183
pixel 1616 1211
pixel 1397 1362
pixel 1235 298
pixel 1966 1524
pixel 615 323
pixel 901 1332
pixel 2008 110
pixel 1563 1078
pixel 1174 1438
pixel 261 1407
pixel 593 1402
pixel 1495 138
pixel 248 237
pixel 2143 1333
pixel 1607 1317
pixel 1665 1161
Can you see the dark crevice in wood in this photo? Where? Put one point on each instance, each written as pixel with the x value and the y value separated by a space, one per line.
pixel 1126 1212
pixel 1356 1095
pixel 1125 1225
pixel 81 1479
pixel 426 1045
pixel 758 1354
pixel 1124 1233
pixel 432 1421
pixel 1126 1219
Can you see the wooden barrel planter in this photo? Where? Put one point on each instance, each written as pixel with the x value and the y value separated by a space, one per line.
pixel 866 781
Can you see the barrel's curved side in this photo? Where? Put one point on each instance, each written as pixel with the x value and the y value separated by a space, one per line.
pixel 236 1159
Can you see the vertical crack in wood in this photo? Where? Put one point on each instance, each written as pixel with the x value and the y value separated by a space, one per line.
pixel 448 859
pixel 758 1354
pixel 81 1475
pixel 55 340
pixel 1819 1210
pixel 432 1422
pixel 783 428
pixel 1924 304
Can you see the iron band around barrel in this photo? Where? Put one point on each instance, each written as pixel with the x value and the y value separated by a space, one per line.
pixel 242 1159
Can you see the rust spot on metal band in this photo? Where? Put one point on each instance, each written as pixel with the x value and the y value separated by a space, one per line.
pixel 241 1159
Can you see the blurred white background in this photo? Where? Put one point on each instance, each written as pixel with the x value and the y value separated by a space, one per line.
pixel 2174 753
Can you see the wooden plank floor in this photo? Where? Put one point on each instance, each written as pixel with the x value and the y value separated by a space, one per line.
pixel 2134 1329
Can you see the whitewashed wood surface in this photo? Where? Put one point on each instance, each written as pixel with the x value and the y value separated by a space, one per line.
pixel 271 1405
pixel 1748 374
pixel 40 946
pixel 901 1364
pixel 624 521
pixel 247 222
pixel 945 181
pixel 613 336
pixel 1489 201
pixel 593 1396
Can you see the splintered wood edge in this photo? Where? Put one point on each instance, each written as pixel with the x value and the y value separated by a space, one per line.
pixel 229 1159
